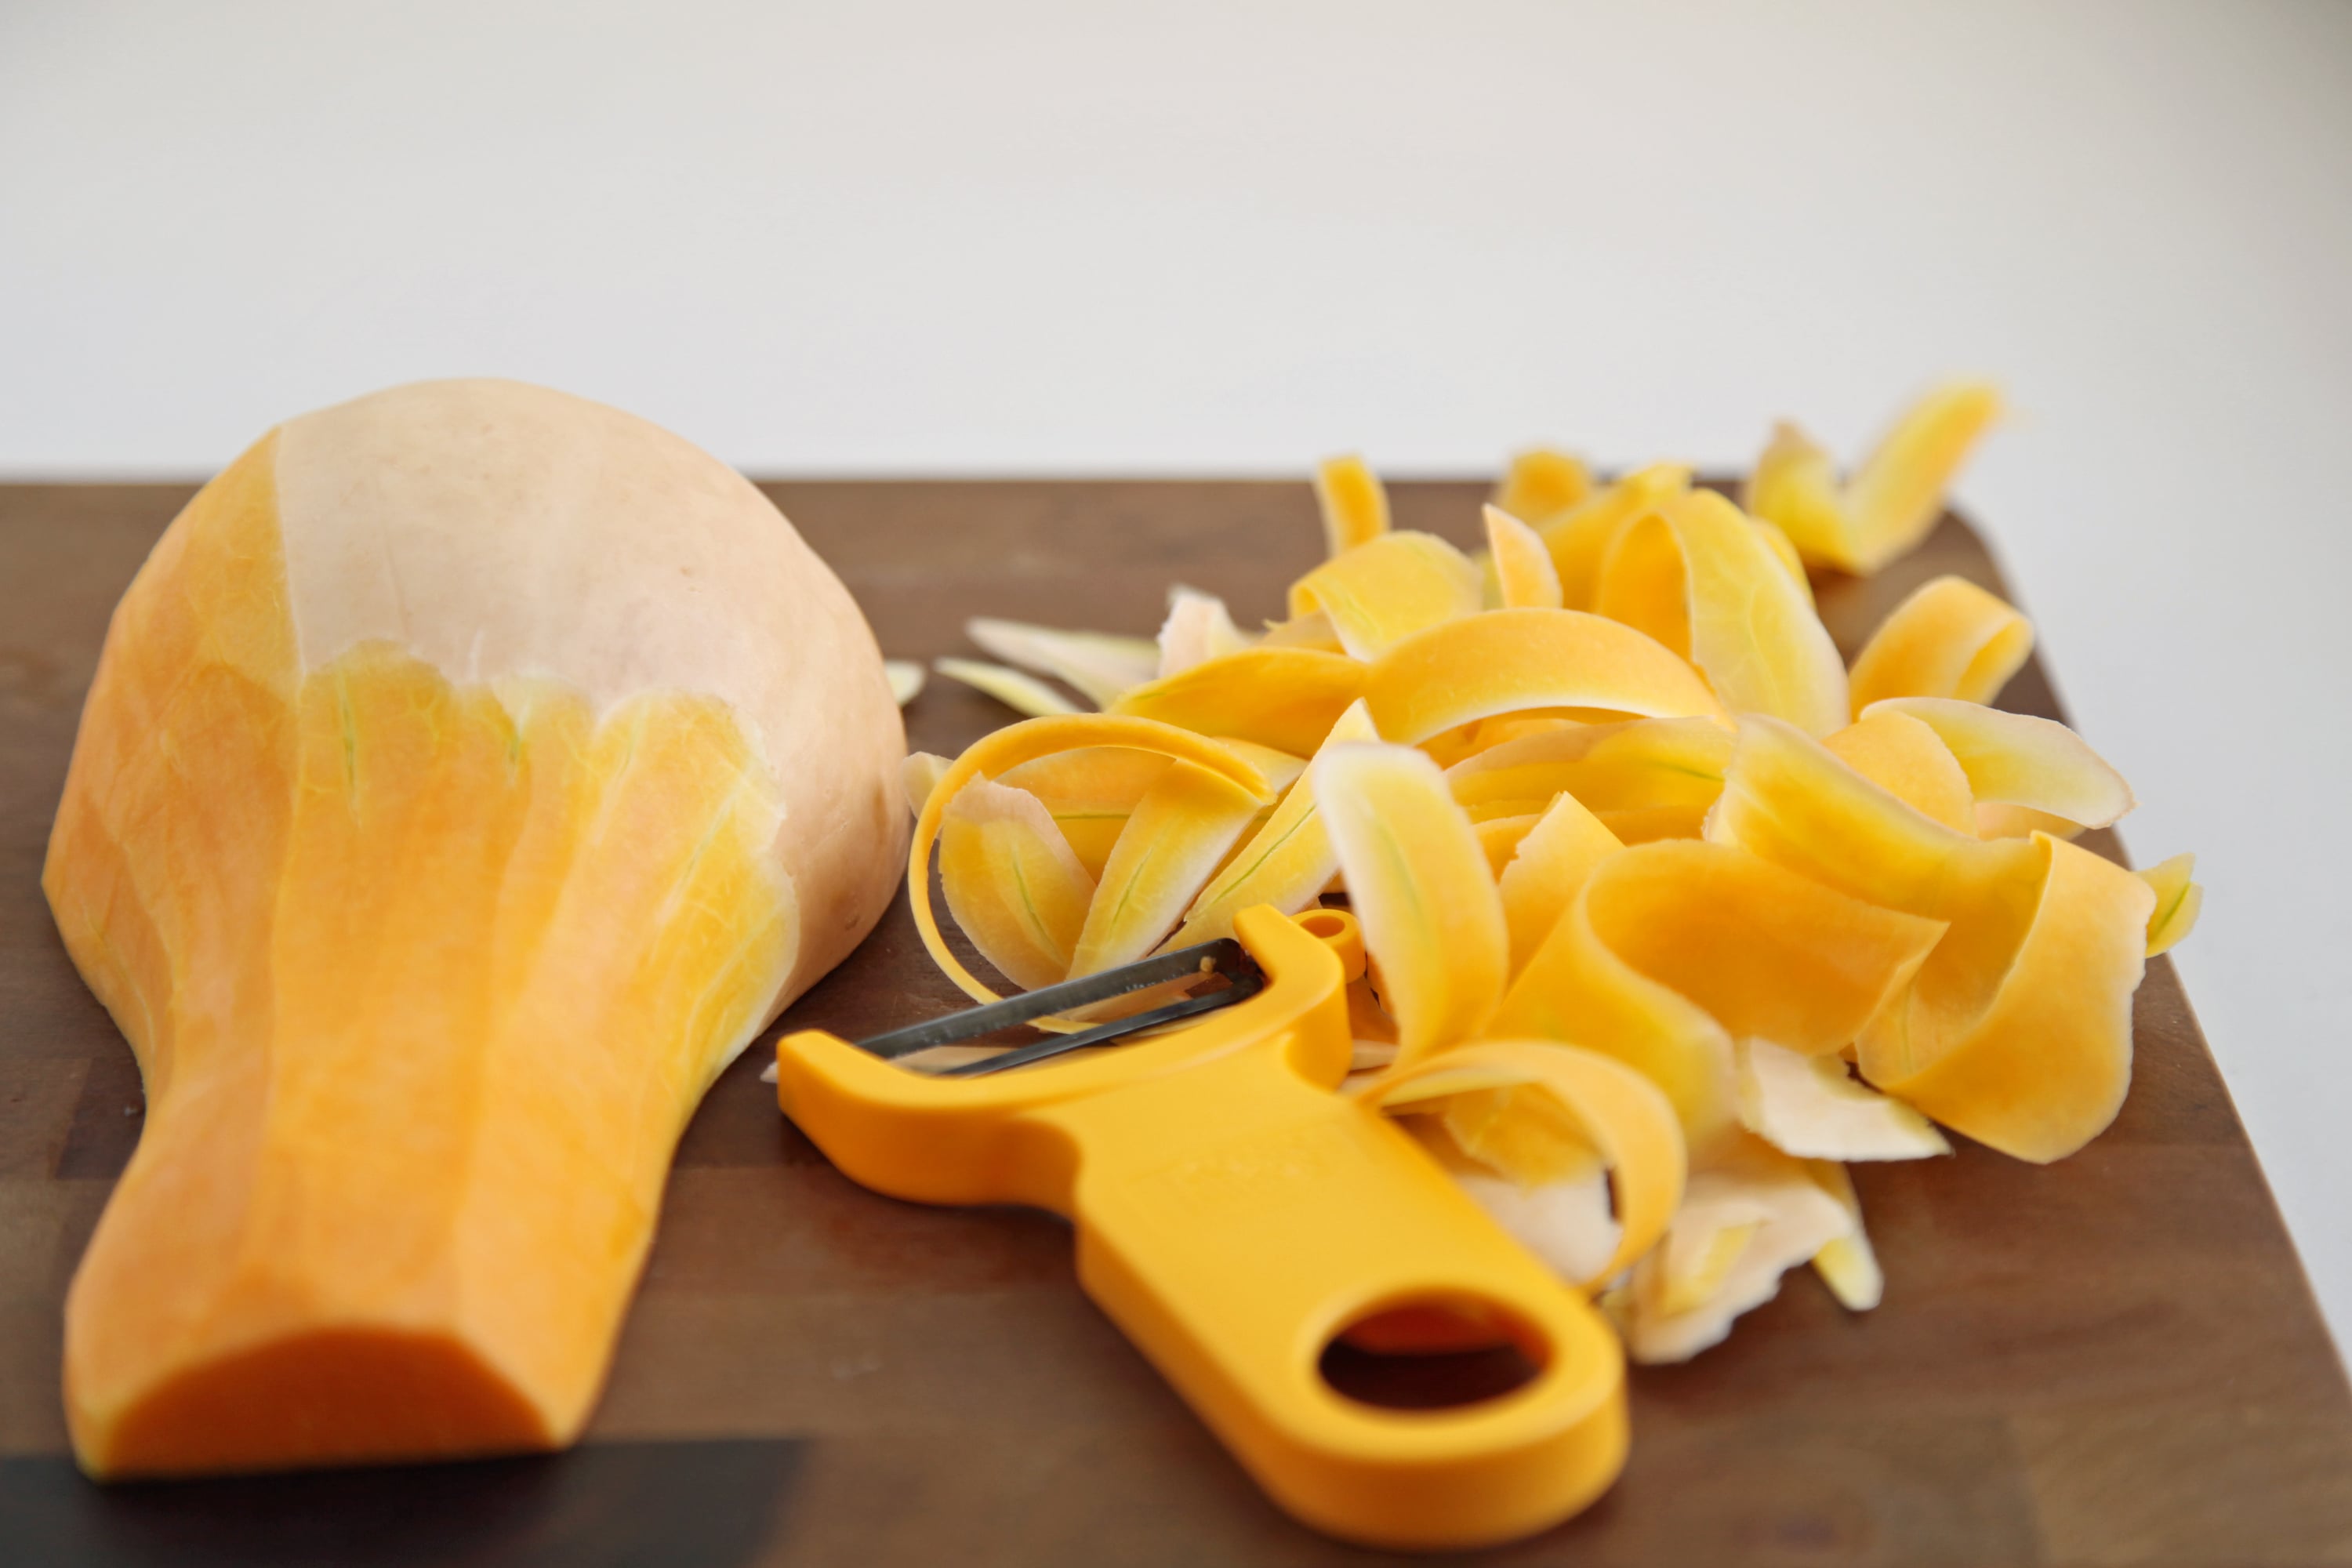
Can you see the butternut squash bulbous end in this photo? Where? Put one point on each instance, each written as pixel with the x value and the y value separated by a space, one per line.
pixel 470 773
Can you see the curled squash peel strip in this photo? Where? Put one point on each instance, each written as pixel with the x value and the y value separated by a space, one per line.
pixel 919 774
pixel 1700 577
pixel 1811 1107
pixel 1525 578
pixel 1622 1115
pixel 1287 863
pixel 1500 837
pixel 1567 1224
pixel 1012 882
pixel 905 679
pixel 1766 952
pixel 1646 778
pixel 1355 504
pixel 1531 1140
pixel 1308 631
pixel 1179 834
pixel 1792 801
pixel 1784 549
pixel 1009 748
pixel 1285 697
pixel 1552 859
pixel 2035 1057
pixel 1096 664
pixel 1542 483
pixel 1278 768
pixel 1022 692
pixel 1510 661
pixel 2017 1030
pixel 1090 792
pixel 1198 628
pixel 1891 499
pixel 1388 588
pixel 1580 537
pixel 1910 761
pixel 1847 1264
pixel 1950 638
pixel 1794 485
pixel 2177 902
pixel 1671 950
pixel 1419 883
pixel 1750 1213
pixel 2014 759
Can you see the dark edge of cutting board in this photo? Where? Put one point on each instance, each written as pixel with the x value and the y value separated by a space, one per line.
pixel 2116 1359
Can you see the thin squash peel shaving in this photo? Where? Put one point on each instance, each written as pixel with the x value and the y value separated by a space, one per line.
pixel 1650 778
pixel 1419 883
pixel 1890 503
pixel 1354 503
pixel 1288 863
pixel 1580 538
pixel 1012 881
pixel 1099 666
pixel 1541 483
pixel 1198 628
pixel 1176 838
pixel 1702 578
pixel 1950 638
pixel 1090 792
pixel 1910 761
pixel 1618 1114
pixel 2015 759
pixel 1514 661
pixel 1386 589
pixel 1668 914
pixel 1525 577
pixel 1285 697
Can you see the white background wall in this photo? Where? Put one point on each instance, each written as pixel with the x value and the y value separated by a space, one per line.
pixel 1205 237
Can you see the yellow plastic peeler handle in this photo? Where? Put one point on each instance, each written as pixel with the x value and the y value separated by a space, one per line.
pixel 1233 1215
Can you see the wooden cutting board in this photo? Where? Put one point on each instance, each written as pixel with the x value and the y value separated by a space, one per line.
pixel 2116 1359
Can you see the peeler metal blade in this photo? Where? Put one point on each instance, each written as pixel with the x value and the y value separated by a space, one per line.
pixel 1223 957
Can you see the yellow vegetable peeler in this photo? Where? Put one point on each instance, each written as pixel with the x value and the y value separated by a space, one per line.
pixel 1235 1215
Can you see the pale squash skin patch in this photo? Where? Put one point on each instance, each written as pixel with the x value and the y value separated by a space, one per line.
pixel 496 531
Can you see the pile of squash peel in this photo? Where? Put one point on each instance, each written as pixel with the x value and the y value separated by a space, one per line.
pixel 1671 914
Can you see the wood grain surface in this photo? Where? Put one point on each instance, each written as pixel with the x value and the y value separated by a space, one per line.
pixel 2113 1360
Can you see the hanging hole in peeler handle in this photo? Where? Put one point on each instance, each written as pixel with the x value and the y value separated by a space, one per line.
pixel 1434 1353
pixel 1337 930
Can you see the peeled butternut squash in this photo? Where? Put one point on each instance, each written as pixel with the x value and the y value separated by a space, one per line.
pixel 470 773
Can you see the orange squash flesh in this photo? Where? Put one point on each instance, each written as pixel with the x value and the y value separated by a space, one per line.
pixel 424 978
